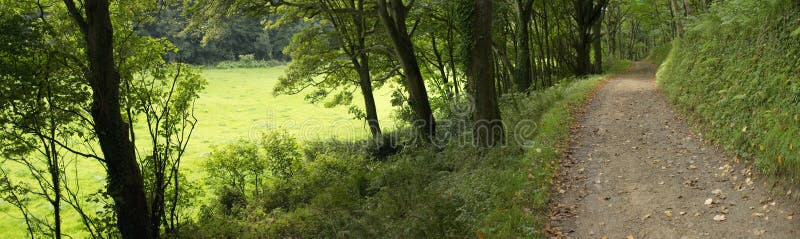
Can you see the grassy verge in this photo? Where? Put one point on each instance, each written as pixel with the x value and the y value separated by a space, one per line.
pixel 456 192
pixel 735 74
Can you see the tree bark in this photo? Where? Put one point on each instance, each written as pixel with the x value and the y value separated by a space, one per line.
pixel 598 45
pixel 125 183
pixel 584 63
pixel 441 67
pixel 587 14
pixel 393 16
pixel 522 76
pixel 365 83
pixel 488 129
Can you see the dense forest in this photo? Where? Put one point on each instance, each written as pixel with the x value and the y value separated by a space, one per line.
pixel 101 115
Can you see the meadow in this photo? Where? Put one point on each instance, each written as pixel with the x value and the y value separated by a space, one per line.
pixel 237 104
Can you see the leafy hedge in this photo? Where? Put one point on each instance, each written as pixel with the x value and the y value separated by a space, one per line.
pixel 247 61
pixel 736 72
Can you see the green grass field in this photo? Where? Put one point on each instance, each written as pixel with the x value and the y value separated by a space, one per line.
pixel 237 103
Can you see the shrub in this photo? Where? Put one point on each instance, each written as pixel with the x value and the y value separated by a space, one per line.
pixel 248 61
pixel 282 153
pixel 235 171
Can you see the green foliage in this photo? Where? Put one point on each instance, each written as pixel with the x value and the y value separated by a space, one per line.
pixel 247 61
pixel 735 74
pixel 335 191
pixel 223 41
pixel 282 154
pixel 659 55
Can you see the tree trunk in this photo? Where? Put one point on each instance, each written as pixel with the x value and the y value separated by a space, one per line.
pixel 587 14
pixel 598 45
pixel 488 129
pixel 55 177
pixel 393 16
pixel 584 64
pixel 441 66
pixel 125 184
pixel 365 83
pixel 522 76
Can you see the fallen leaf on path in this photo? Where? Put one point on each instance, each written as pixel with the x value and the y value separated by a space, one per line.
pixel 682 213
pixel 668 213
pixel 647 216
pixel 758 214
pixel 603 237
pixel 720 218
pixel 709 201
pixel 480 234
pixel 629 237
pixel 790 217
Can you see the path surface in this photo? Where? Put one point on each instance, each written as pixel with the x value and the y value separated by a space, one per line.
pixel 635 170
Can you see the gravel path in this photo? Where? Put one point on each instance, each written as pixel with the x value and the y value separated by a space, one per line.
pixel 636 170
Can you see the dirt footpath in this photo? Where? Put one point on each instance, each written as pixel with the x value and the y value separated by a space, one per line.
pixel 635 170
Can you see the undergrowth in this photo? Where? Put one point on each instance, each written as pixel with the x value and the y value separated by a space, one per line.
pixel 736 73
pixel 333 190
pixel 659 55
pixel 247 61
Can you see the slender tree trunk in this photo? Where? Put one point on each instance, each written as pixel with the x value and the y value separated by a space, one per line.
pixel 687 11
pixel 365 83
pixel 125 184
pixel 441 66
pixel 488 130
pixel 598 45
pixel 451 59
pixel 676 28
pixel 55 177
pixel 393 16
pixel 522 76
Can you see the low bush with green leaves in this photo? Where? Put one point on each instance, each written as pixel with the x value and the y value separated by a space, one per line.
pixel 247 61
pixel 735 73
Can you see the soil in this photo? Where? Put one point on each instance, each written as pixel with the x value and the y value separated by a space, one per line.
pixel 634 169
